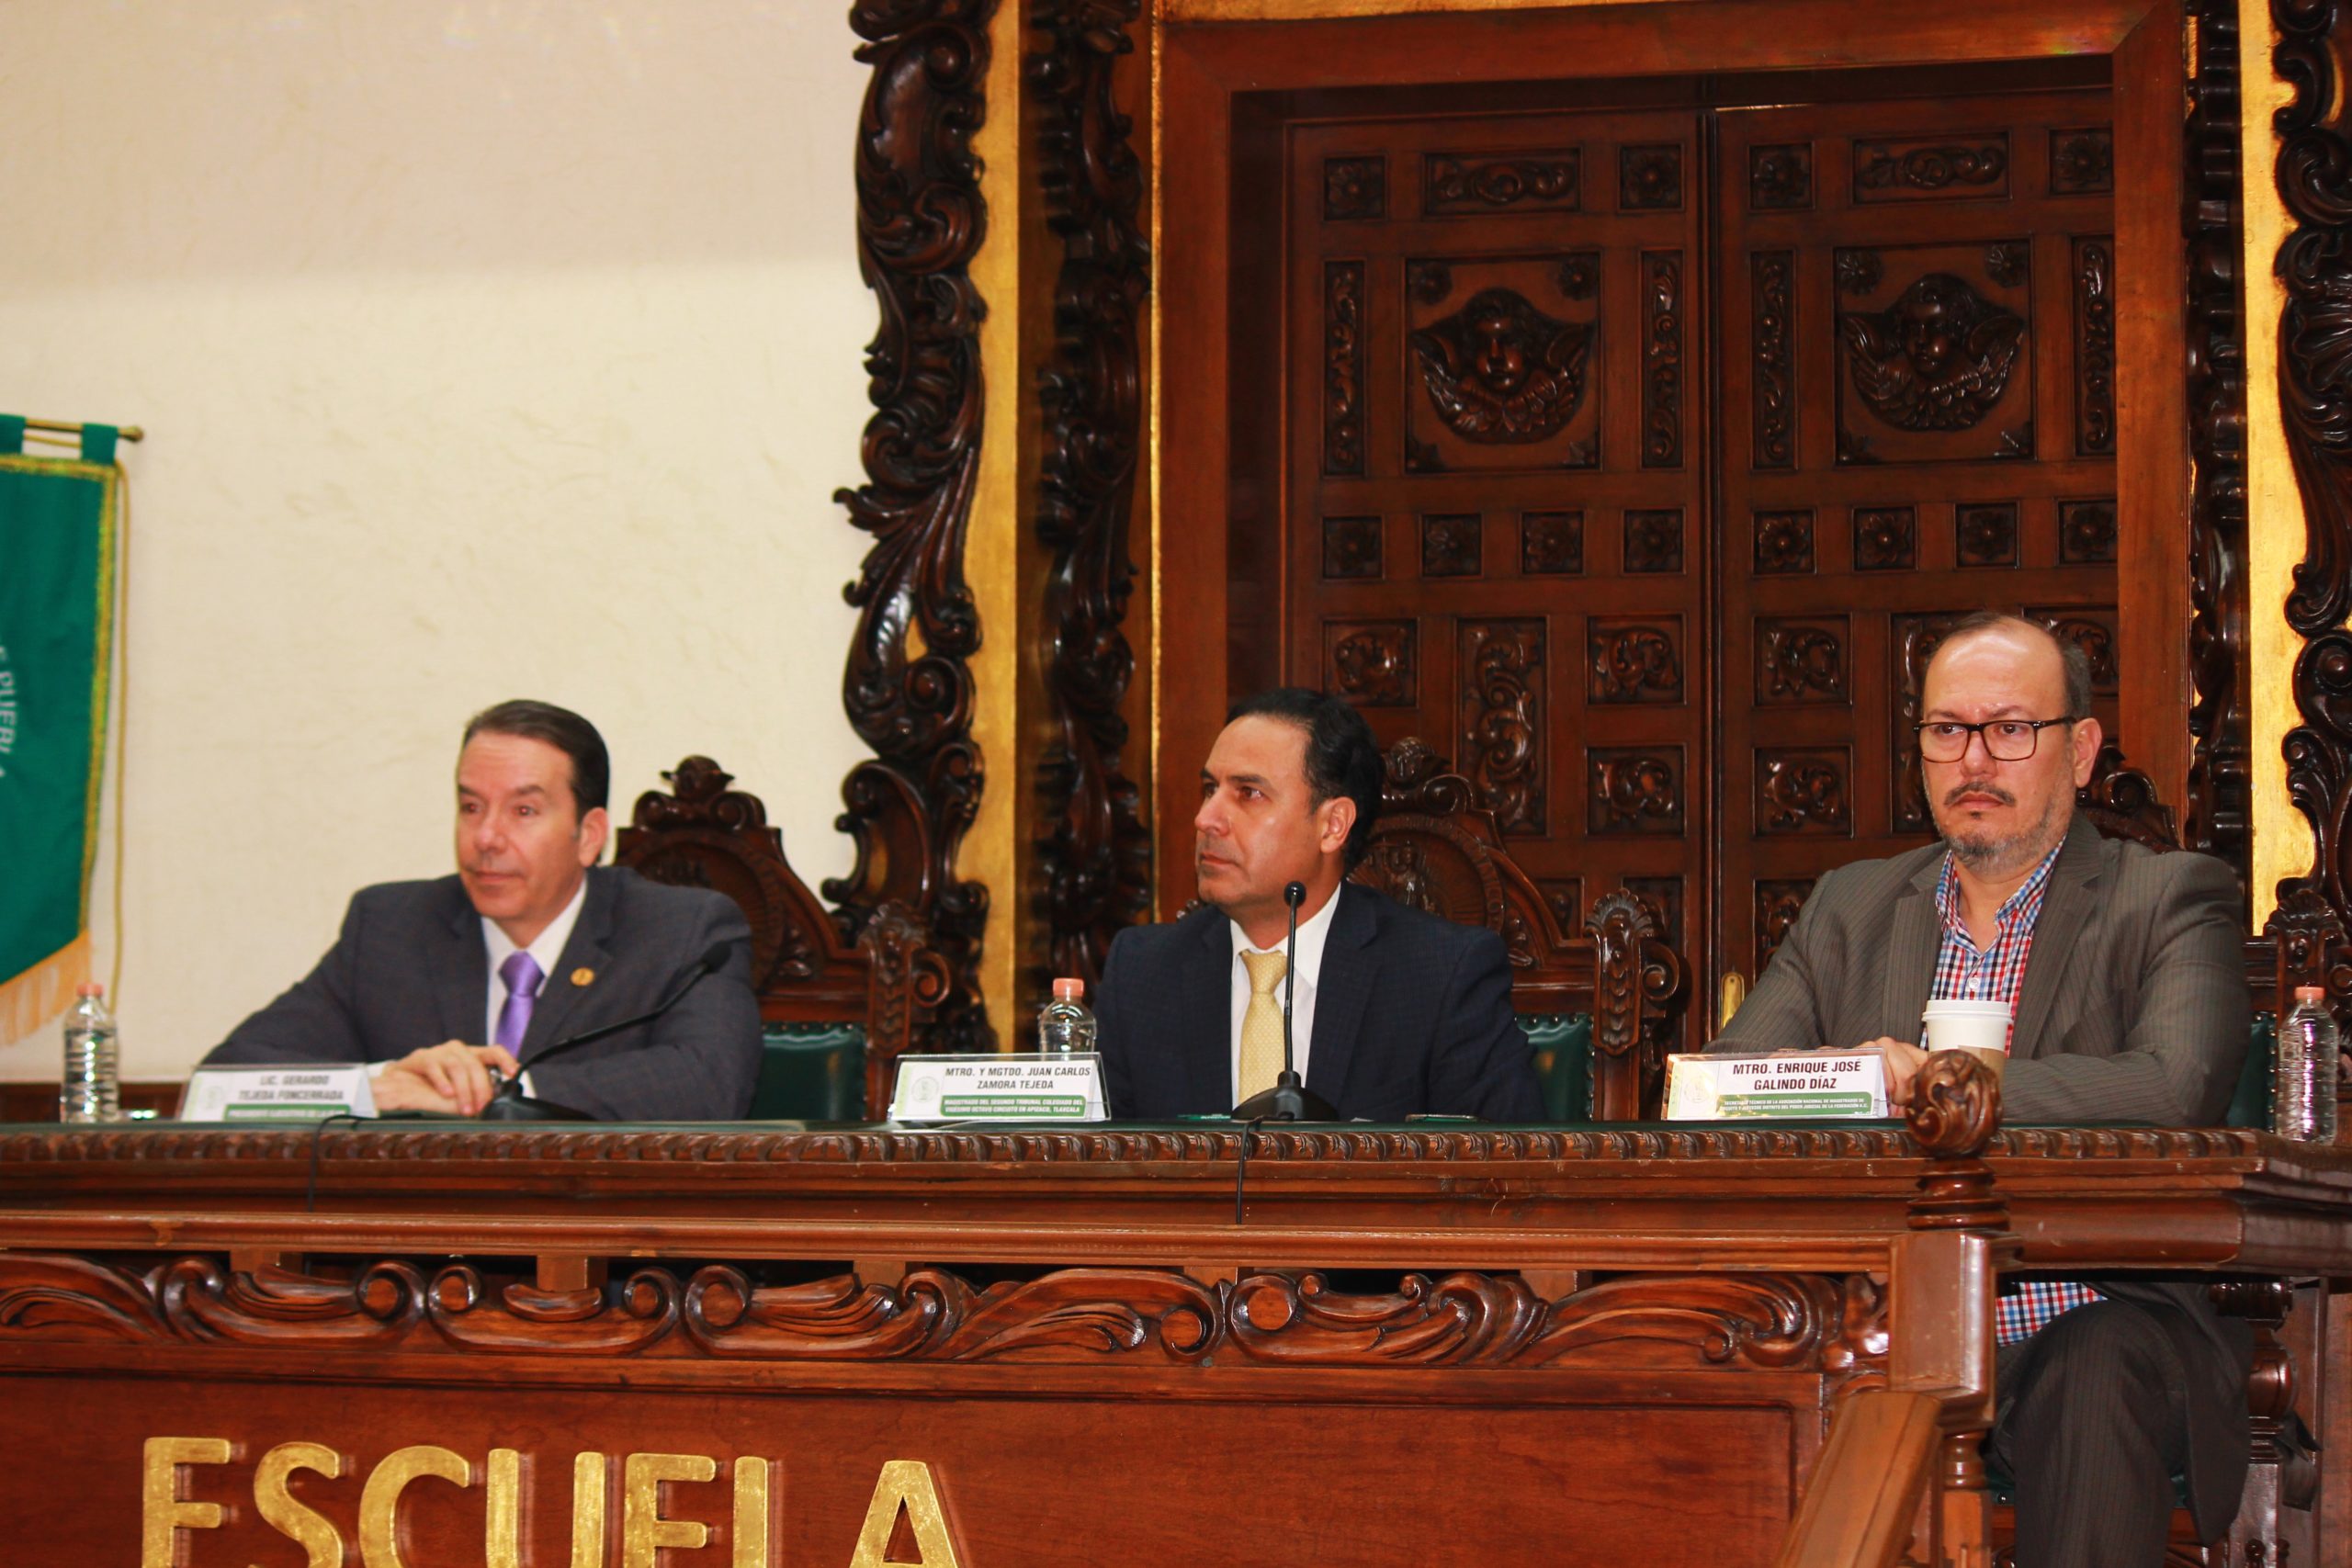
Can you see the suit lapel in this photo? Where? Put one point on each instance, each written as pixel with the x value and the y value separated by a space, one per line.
pixel 461 974
pixel 1912 945
pixel 1342 990
pixel 586 949
pixel 2066 909
pixel 1207 989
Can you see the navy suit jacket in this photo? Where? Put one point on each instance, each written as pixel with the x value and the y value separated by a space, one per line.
pixel 1412 1013
pixel 411 969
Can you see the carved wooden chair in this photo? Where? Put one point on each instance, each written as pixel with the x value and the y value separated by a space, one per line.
pixel 1434 849
pixel 840 1007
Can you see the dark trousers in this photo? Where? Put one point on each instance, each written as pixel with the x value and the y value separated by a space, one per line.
pixel 2092 1421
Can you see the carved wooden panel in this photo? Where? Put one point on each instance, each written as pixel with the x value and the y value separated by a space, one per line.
pixel 1653 540
pixel 1550 544
pixel 1886 538
pixel 1634 660
pixel 1936 168
pixel 1783 542
pixel 2082 161
pixel 1503 722
pixel 1354 188
pixel 1803 790
pixel 1372 662
pixel 1935 362
pixel 1351 546
pixel 1925 346
pixel 1451 543
pixel 1779 178
pixel 1343 367
pixel 1905 309
pixel 2086 532
pixel 1540 180
pixel 1801 660
pixel 1774 359
pixel 1986 533
pixel 1662 359
pixel 1635 789
pixel 1516 568
pixel 2093 274
pixel 1504 353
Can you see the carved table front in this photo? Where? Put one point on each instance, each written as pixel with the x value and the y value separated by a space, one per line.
pixel 454 1345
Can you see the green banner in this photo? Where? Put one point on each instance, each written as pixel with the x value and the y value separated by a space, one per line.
pixel 57 565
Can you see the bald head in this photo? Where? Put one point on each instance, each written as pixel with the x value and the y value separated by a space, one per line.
pixel 2029 644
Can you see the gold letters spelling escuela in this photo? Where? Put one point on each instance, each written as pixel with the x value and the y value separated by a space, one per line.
pixel 903 1484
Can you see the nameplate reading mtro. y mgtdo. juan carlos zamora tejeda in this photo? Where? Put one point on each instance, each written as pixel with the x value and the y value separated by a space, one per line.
pixel 184 1495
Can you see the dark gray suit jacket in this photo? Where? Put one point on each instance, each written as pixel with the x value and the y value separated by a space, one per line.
pixel 1412 1013
pixel 2134 1009
pixel 410 970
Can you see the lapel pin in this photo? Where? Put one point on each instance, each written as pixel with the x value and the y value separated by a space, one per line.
pixel 583 976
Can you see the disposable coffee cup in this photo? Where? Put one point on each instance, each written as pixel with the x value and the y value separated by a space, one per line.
pixel 1979 1028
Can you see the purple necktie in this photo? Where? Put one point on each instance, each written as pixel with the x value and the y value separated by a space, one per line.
pixel 521 972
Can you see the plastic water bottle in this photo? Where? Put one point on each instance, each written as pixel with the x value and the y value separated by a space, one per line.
pixel 2303 1100
pixel 1066 1025
pixel 89 1093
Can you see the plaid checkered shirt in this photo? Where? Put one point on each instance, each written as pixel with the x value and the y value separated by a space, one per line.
pixel 1995 974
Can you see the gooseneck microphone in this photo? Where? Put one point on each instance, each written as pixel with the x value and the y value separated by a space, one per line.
pixel 511 1105
pixel 1288 1099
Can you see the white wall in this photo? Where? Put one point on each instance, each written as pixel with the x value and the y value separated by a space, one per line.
pixel 484 349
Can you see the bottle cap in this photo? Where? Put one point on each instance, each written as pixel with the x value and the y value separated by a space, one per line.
pixel 2311 994
pixel 1068 990
pixel 89 989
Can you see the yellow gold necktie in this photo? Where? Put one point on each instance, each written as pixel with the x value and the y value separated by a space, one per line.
pixel 1262 1025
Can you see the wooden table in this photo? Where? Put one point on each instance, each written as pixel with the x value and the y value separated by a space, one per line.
pixel 750 1346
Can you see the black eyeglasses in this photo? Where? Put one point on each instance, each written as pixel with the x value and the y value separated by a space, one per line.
pixel 2005 740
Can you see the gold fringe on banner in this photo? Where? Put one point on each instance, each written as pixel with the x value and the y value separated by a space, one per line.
pixel 45 990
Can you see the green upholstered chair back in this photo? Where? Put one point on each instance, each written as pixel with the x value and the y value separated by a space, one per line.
pixel 2250 1106
pixel 812 1072
pixel 1563 1042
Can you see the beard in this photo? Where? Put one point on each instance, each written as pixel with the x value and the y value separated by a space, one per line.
pixel 1994 855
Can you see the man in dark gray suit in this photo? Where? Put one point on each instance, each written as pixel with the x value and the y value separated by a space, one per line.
pixel 530 943
pixel 2123 968
pixel 1398 1011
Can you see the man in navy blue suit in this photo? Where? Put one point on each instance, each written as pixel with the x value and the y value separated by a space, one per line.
pixel 1396 1012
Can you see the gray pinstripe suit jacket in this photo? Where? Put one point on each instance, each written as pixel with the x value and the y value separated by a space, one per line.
pixel 411 969
pixel 2134 1009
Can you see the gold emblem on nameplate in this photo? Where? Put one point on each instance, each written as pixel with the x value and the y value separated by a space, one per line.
pixel 583 976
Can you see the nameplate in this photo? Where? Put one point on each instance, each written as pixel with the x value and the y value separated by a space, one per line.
pixel 1026 1087
pixel 1824 1085
pixel 277 1094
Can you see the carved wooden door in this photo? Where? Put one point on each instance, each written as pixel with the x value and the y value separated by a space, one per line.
pixel 1492 525
pixel 1673 639
pixel 1919 422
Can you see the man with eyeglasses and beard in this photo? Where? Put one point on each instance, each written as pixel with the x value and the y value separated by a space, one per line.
pixel 2123 969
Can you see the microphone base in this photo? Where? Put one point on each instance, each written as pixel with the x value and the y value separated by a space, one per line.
pixel 1288 1100
pixel 523 1108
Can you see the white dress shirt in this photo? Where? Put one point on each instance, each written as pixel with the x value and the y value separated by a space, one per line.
pixel 1309 952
